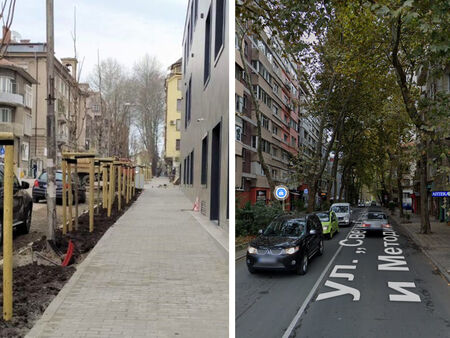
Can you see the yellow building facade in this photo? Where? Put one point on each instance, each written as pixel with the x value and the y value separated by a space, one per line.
pixel 173 120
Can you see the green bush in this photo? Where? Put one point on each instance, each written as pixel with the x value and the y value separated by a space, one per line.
pixel 251 218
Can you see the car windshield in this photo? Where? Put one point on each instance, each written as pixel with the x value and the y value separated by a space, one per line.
pixel 340 209
pixel 324 217
pixel 286 227
pixel 43 176
pixel 376 215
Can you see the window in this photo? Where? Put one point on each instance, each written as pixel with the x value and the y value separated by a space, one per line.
pixel 177 144
pixel 179 85
pixel 293 141
pixel 207 65
pixel 285 138
pixel 188 105
pixel 191 170
pixel 238 133
pixel 275 109
pixel 274 152
pixel 185 171
pixel 239 103
pixel 5 115
pixel 24 150
pixel 7 85
pixel 245 48
pixel 204 174
pixel 178 105
pixel 265 122
pixel 177 124
pixel 95 108
pixel 274 129
pixel 254 141
pixel 239 73
pixel 28 96
pixel 220 26
pixel 265 146
pixel 195 11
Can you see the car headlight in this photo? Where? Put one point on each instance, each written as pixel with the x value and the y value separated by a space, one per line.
pixel 251 250
pixel 290 251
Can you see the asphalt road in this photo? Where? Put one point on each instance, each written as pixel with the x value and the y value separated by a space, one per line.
pixel 276 304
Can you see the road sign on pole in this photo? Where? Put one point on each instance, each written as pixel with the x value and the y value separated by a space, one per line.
pixel 281 192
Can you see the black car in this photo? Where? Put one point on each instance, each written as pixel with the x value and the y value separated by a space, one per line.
pixel 22 206
pixel 40 188
pixel 288 243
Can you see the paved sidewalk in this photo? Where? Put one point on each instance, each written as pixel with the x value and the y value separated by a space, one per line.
pixel 155 273
pixel 435 245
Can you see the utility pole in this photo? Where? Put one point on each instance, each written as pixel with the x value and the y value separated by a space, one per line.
pixel 51 127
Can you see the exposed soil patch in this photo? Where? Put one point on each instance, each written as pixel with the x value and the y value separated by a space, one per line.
pixel 35 286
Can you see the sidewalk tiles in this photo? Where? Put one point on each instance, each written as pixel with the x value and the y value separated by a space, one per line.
pixel 155 273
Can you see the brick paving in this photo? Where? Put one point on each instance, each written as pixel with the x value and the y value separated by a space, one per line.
pixel 435 245
pixel 155 273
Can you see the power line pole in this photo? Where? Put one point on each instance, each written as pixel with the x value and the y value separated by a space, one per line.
pixel 51 127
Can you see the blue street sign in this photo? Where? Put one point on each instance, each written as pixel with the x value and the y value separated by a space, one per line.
pixel 2 150
pixel 440 194
pixel 305 191
pixel 281 192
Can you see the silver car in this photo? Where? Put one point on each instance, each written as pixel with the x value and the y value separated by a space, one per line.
pixel 375 220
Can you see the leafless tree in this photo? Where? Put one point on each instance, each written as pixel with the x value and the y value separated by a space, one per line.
pixel 149 105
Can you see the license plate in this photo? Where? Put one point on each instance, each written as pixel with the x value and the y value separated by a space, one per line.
pixel 267 260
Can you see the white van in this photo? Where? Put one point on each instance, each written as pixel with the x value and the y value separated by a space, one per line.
pixel 342 211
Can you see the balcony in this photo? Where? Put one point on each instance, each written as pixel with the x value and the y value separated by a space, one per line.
pixel 11 99
pixel 62 138
pixel 11 127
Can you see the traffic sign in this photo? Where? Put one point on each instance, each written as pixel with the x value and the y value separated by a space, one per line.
pixel 281 192
pixel 2 151
pixel 305 191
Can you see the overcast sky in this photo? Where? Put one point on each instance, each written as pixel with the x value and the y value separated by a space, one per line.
pixel 125 30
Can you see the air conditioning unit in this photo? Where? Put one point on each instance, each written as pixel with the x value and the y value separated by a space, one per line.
pixel 172 123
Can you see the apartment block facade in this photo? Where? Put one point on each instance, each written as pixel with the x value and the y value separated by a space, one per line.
pixel 70 103
pixel 16 103
pixel 204 121
pixel 173 120
pixel 286 131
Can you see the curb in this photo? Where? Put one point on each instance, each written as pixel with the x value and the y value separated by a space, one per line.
pixel 436 264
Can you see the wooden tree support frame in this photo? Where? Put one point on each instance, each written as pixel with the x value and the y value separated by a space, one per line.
pixel 69 158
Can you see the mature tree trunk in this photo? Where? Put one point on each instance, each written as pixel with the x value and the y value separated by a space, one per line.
pixel 425 227
pixel 400 193
pixel 396 30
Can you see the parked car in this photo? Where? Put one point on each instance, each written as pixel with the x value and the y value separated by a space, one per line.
pixel 288 243
pixel 40 188
pixel 22 206
pixel 375 220
pixel 373 204
pixel 330 224
pixel 343 212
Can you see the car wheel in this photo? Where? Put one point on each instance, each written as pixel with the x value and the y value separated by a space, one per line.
pixel 320 251
pixel 302 267
pixel 26 225
pixel 251 269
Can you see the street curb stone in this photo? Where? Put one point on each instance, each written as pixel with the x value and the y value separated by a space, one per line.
pixel 435 262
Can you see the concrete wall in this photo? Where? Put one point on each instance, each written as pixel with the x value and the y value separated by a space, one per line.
pixel 209 108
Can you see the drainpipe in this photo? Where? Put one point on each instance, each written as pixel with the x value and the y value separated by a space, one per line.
pixel 36 107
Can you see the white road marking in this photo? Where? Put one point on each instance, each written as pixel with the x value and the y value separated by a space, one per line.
pixel 406 296
pixel 294 321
